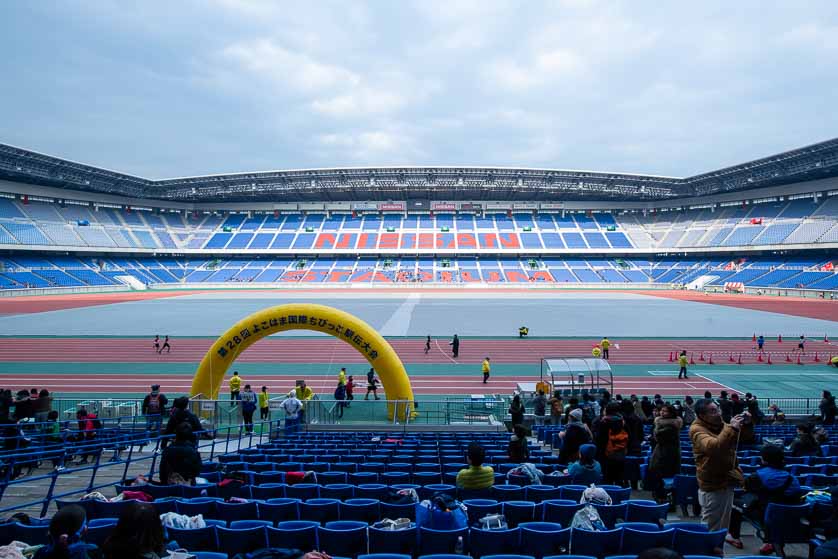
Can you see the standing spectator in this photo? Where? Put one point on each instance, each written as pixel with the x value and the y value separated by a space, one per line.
pixel 556 408
pixel 689 410
pixel 264 404
pixel 752 406
pixel 725 406
pixel 486 370
pixel 342 376
pixel 180 463
pixel 340 398
pixel 181 414
pixel 455 346
pixel 586 470
pixel 828 408
pixel 154 408
pixel 248 400
pixel 519 450
pixel 612 441
pixel 66 536
pixel 770 484
pixel 666 456
pixel 714 447
pixel 304 394
pixel 804 444
pixel 573 437
pixel 372 384
pixel 605 344
pixel 647 406
pixel 634 428
pixel 682 361
pixel 350 390
pixel 738 406
pixel 42 405
pixel 476 476
pixel 235 386
pixel 23 405
pixel 516 410
pixel 292 408
pixel 137 535
pixel 539 407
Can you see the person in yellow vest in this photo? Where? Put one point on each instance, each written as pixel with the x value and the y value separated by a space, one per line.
pixel 235 387
pixel 605 344
pixel 264 404
pixel 523 331
pixel 486 370
pixel 682 361
pixel 596 352
pixel 342 376
pixel 304 394
pixel 834 361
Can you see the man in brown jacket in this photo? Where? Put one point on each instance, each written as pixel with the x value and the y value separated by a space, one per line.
pixel 714 446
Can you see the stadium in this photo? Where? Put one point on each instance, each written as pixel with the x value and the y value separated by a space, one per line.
pixel 380 312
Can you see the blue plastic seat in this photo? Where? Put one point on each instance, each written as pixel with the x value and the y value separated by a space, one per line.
pixel 332 476
pixel 394 477
pixel 269 477
pixel 362 478
pixel 240 540
pixel 611 514
pixel 204 506
pixel 478 508
pixel 441 541
pixel 111 509
pixel 163 506
pixel 560 511
pixel 428 491
pixel 33 535
pixel 699 543
pixel 618 494
pixel 638 512
pixel 344 538
pixel 541 539
pixel 303 491
pixel 572 492
pixel 517 512
pixel 339 491
pixel 427 478
pixel 489 542
pixel 393 541
pixel 361 510
pixel 442 556
pixel 230 512
pixel 507 492
pixel 243 524
pixel 685 492
pixel 508 557
pixel 162 491
pixel 292 534
pixel 597 544
pixel 372 490
pixel 785 524
pixel 635 541
pixel 89 506
pixel 385 556
pixel 692 526
pixel 209 555
pixel 404 510
pixel 539 493
pixel 644 526
pixel 198 539
pixel 320 510
pixel 267 491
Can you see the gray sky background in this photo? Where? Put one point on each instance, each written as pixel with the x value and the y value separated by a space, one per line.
pixel 166 89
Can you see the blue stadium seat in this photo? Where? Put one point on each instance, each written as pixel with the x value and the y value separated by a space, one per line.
pixel 441 541
pixel 393 541
pixel 639 512
pixel 279 510
pixel 340 491
pixel 635 541
pixel 293 534
pixel 560 511
pixel 699 543
pixel 267 491
pixel 343 538
pixel 230 512
pixel 490 542
pixel 517 512
pixel 198 539
pixel 597 544
pixel 541 539
pixel 362 510
pixel 320 510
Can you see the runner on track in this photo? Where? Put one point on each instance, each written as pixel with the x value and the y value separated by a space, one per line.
pixel 157 344
pixel 427 345
pixel 801 345
pixel 166 346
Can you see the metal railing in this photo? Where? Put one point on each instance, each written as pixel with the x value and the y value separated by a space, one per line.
pixel 443 411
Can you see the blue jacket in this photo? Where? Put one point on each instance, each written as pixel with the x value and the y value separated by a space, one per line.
pixel 767 482
pixel 585 475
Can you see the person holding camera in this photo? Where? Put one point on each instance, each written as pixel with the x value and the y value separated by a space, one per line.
pixel 714 447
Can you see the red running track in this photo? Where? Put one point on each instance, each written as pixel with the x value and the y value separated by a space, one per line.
pixel 795 306
pixel 320 349
pixel 422 385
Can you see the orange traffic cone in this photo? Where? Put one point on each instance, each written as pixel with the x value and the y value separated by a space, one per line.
pixel 798 359
pixel 817 359
pixel 692 361
pixel 671 357
pixel 711 360
pixel 759 357
pixel 731 359
pixel 740 359
pixel 769 359
pixel 701 358
pixel 788 359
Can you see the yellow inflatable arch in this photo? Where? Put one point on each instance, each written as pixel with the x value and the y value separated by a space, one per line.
pixel 305 316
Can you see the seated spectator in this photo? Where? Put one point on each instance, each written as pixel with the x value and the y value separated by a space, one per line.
pixel 804 444
pixel 666 456
pixel 137 535
pixel 770 484
pixel 476 476
pixel 181 461
pixel 181 414
pixel 574 436
pixel 519 450
pixel 586 470
pixel 66 534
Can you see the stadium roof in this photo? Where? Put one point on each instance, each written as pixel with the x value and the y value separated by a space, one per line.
pixel 816 161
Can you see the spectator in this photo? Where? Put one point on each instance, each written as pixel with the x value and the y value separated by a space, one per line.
pixel 556 408
pixel 666 455
pixel 828 408
pixel 23 405
pixel 638 409
pixel 573 437
pixel 137 535
pixel 612 441
pixel 726 406
pixel 647 406
pixel 688 410
pixel 752 407
pixel 737 405
pixel 304 394
pixel 572 404
pixel 42 404
pixel 476 476
pixel 516 410
pixel 248 400
pixel 181 461
pixel 154 408
pixel 342 376
pixel 264 404
pixel 180 414
pixel 586 470
pixel 235 386
pixel 539 407
pixel 770 484
pixel 66 534
pixel 519 450
pixel 350 390
pixel 340 398
pixel 292 408
pixel 633 426
pixel 804 444
pixel 714 447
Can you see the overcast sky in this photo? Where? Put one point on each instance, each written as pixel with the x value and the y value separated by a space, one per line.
pixel 177 88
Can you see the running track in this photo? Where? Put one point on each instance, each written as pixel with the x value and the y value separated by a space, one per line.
pixel 314 350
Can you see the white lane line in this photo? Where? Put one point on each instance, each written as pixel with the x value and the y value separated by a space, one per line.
pixel 726 387
pixel 442 351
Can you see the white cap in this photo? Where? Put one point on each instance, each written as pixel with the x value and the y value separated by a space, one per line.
pixel 292 393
